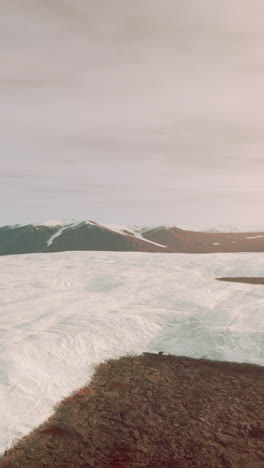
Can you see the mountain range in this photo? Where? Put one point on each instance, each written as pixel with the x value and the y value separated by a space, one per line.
pixel 89 235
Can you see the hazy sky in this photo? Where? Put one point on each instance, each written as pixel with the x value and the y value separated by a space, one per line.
pixel 143 111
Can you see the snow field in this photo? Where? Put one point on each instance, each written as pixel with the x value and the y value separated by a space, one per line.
pixel 62 313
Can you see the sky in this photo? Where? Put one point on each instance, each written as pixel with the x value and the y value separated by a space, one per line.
pixel 143 112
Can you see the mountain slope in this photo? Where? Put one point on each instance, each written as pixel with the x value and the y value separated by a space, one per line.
pixel 84 235
pixel 89 235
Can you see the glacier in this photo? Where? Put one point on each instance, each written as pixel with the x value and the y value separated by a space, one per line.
pixel 62 313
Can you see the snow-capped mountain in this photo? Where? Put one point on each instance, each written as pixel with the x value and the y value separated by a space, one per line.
pixel 73 235
pixel 89 235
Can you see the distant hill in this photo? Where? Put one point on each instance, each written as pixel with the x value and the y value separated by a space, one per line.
pixel 89 235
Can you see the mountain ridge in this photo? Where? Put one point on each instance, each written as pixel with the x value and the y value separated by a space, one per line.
pixel 90 235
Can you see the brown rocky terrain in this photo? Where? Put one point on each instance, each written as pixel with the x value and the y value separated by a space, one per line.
pixel 154 411
pixel 181 240
pixel 243 279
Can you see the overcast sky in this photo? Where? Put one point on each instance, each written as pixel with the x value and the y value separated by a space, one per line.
pixel 140 112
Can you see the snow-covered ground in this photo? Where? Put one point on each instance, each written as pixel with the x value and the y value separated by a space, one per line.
pixel 62 313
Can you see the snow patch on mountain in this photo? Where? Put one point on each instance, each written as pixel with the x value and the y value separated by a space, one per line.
pixel 60 231
pixel 133 231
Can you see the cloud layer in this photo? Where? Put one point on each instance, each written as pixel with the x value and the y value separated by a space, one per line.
pixel 144 112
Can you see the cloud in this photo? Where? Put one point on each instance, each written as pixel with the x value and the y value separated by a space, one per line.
pixel 133 99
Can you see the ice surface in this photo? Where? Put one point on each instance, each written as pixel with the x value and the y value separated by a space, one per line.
pixel 62 313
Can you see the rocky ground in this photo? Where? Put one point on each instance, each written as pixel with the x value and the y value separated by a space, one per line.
pixel 154 411
pixel 243 279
